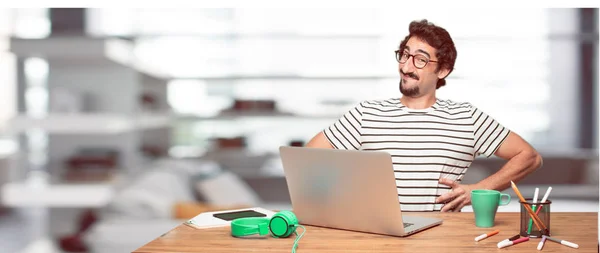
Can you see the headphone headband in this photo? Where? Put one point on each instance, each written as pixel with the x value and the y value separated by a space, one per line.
pixel 249 226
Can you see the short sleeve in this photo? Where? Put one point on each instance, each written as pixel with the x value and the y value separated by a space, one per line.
pixel 489 134
pixel 345 133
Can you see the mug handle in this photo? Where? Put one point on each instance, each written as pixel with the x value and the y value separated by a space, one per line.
pixel 502 203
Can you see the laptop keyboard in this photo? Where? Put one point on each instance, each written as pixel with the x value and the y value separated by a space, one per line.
pixel 408 224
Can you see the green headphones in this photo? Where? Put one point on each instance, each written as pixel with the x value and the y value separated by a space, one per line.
pixel 281 225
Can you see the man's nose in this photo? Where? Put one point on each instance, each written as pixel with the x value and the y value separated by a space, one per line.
pixel 408 66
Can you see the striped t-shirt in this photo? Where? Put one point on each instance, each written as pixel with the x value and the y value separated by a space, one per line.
pixel 425 144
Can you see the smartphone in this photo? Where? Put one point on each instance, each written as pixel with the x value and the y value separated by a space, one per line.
pixel 228 216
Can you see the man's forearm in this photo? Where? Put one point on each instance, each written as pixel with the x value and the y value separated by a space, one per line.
pixel 515 169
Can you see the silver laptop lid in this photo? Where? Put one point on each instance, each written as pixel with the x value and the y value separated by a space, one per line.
pixel 352 190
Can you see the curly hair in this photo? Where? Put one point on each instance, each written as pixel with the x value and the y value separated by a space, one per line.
pixel 437 38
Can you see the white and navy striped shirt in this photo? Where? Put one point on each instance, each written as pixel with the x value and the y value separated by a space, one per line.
pixel 425 144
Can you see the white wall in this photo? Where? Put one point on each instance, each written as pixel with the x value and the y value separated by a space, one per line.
pixel 564 70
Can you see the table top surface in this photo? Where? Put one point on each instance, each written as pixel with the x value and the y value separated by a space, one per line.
pixel 456 234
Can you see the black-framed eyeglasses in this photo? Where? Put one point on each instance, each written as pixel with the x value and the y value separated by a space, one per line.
pixel 420 61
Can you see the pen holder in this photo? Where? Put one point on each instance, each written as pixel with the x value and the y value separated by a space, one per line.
pixel 528 226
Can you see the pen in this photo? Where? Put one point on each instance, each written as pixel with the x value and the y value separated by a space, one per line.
pixel 483 236
pixel 541 244
pixel 509 243
pixel 563 242
pixel 515 237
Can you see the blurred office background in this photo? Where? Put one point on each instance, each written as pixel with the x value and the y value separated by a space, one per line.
pixel 117 124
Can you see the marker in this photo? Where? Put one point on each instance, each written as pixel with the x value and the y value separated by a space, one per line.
pixel 535 195
pixel 535 199
pixel 541 244
pixel 539 208
pixel 515 237
pixel 547 194
pixel 509 243
pixel 563 242
pixel 483 236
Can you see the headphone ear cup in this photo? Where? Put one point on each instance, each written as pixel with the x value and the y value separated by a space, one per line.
pixel 290 216
pixel 283 224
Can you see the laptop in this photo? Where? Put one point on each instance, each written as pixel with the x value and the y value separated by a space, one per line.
pixel 348 190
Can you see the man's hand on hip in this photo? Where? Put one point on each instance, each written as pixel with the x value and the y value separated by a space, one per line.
pixel 458 197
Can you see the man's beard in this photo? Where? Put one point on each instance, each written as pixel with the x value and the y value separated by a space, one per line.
pixel 409 92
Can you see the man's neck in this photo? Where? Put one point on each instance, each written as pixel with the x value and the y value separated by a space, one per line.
pixel 422 102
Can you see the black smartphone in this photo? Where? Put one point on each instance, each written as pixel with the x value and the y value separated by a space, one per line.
pixel 228 216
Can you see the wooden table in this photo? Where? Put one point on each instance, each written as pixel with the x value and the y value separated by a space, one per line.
pixel 456 234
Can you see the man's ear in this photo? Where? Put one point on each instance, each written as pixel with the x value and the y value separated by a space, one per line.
pixel 443 73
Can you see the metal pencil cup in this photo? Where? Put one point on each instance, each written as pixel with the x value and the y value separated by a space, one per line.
pixel 528 226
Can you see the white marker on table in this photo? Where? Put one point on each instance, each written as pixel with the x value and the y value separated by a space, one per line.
pixel 563 242
pixel 509 243
pixel 483 236
pixel 541 244
pixel 515 237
